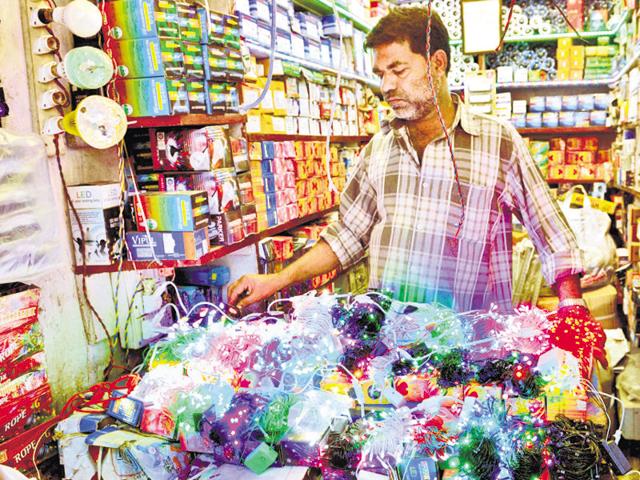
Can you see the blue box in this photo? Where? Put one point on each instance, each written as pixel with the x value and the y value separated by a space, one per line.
pixel 270 201
pixel 537 104
pixel 267 166
pixel 598 118
pixel 534 120
pixel 519 120
pixel 268 150
pixel 553 104
pixel 567 119
pixel 272 217
pixel 583 119
pixel 168 245
pixel 148 57
pixel 550 119
pixel 601 101
pixel 586 103
pixel 570 103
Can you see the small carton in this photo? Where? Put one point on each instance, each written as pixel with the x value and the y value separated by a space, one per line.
pixel 172 211
pixel 167 245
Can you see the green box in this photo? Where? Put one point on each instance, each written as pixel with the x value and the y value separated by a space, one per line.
pixel 261 458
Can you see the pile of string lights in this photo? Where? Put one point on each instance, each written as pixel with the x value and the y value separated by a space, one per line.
pixel 347 384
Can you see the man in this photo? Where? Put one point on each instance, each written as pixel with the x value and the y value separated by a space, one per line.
pixel 428 243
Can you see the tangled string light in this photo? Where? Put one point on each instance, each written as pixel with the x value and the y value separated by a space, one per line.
pixel 345 384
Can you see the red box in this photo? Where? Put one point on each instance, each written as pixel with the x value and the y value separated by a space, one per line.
pixel 25 412
pixel 283 246
pixel 604 156
pixel 22 366
pixel 18 452
pixel 22 386
pixel 556 157
pixel 18 308
pixel 558 144
pixel 20 342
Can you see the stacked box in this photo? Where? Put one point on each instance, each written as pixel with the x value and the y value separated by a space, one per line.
pixel 599 60
pixel 95 230
pixel 172 58
pixel 578 158
pixel 25 397
pixel 561 111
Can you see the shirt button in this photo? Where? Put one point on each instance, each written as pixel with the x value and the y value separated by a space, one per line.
pixel 420 227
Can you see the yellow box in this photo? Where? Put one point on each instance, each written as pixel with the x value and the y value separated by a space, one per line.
pixel 576 63
pixel 563 64
pixel 266 123
pixel 563 74
pixel 279 98
pixel 253 123
pixel 555 172
pixel 266 106
pixel 563 53
pixel 571 172
pixel 577 52
pixel 565 43
pixel 590 51
pixel 575 74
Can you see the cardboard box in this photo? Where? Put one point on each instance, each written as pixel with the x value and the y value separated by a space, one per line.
pixel 26 412
pixel 98 212
pixel 200 149
pixel 129 19
pixel 18 452
pixel 19 342
pixel 18 307
pixel 167 245
pixel 172 211
pixel 143 97
pixel 148 57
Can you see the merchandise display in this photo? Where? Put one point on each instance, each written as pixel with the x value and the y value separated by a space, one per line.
pixel 236 182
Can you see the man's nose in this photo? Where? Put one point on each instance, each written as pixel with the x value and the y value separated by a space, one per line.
pixel 387 84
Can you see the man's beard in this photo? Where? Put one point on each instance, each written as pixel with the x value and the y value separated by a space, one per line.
pixel 415 106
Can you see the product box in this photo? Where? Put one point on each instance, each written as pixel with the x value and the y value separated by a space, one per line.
pixel 129 19
pixel 556 157
pixel 148 57
pixel 25 412
pixel 197 93
pixel 580 158
pixel 567 119
pixel 194 65
pixel 569 103
pixel 172 211
pixel 19 367
pixel 167 245
pixel 226 228
pixel 534 120
pixel 18 452
pixel 98 209
pixel 143 97
pixel 553 103
pixel 21 386
pixel 583 119
pixel 201 149
pixel 550 119
pixel 189 21
pixel 18 307
pixel 21 341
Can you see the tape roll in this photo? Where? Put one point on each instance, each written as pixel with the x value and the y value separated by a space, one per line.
pixel 545 29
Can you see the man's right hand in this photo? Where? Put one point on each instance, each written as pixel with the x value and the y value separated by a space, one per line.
pixel 250 289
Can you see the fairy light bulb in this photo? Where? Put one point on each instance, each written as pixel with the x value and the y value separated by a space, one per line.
pixel 81 17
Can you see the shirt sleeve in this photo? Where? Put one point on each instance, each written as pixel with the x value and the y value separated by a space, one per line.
pixel 349 236
pixel 531 201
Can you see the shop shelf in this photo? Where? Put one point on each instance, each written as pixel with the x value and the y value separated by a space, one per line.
pixel 325 7
pixel 263 52
pixel 186 120
pixel 556 36
pixel 213 254
pixel 578 181
pixel 278 137
pixel 567 131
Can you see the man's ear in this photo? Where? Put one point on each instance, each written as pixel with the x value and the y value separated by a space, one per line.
pixel 439 61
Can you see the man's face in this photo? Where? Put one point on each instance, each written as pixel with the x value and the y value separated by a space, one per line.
pixel 403 79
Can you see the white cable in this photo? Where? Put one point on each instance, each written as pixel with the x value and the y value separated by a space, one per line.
pixel 334 102
pixel 209 304
pixel 245 107
pixel 163 287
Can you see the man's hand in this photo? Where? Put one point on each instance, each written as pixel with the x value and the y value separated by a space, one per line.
pixel 250 289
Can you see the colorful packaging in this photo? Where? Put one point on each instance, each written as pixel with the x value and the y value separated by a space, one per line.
pixel 553 103
pixel 25 412
pixel 129 19
pixel 537 104
pixel 167 245
pixel 567 119
pixel 189 22
pixel 200 149
pixel 534 120
pixel 148 57
pixel 569 103
pixel 586 102
pixel 18 452
pixel 172 211
pixel 18 307
pixel 144 97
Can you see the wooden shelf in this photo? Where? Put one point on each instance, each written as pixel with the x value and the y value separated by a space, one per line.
pixel 193 120
pixel 213 254
pixel 567 131
pixel 280 137
pixel 578 181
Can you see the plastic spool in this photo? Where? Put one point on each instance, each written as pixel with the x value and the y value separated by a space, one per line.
pixel 88 68
pixel 545 29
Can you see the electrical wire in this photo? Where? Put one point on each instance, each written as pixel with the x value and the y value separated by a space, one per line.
pixel 442 123
pixel 568 22
pixel 506 27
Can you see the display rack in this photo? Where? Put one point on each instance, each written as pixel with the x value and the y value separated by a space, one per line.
pixel 214 253
pixel 567 131
pixel 576 181
pixel 282 137
pixel 191 120
pixel 262 52
pixel 326 8
pixel 556 36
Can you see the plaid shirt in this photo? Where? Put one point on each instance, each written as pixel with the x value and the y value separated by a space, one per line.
pixel 407 211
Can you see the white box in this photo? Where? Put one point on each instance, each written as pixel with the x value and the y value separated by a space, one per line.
pixel 504 74
pixel 521 75
pixel 519 106
pixel 101 230
pixel 101 195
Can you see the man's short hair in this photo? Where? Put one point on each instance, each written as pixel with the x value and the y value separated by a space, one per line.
pixel 410 24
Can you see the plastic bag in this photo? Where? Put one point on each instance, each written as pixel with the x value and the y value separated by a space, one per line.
pixel 591 228
pixel 29 240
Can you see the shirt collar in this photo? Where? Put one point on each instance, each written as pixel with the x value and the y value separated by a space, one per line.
pixel 464 118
